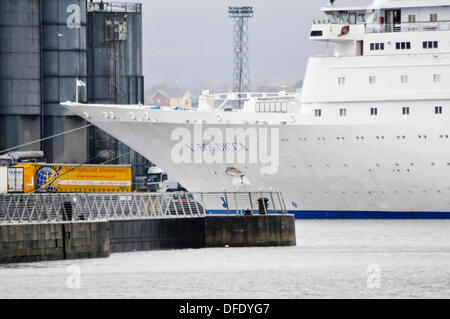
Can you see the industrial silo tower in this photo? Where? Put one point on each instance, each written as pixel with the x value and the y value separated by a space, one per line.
pixel 20 73
pixel 115 73
pixel 64 56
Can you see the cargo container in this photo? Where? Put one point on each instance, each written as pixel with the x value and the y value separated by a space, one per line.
pixel 11 179
pixel 73 178
pixel 3 179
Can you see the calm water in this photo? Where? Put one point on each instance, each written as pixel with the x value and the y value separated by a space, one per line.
pixel 331 259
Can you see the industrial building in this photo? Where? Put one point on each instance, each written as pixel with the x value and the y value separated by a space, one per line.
pixel 45 47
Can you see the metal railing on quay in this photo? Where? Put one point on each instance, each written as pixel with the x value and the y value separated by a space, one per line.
pixel 48 208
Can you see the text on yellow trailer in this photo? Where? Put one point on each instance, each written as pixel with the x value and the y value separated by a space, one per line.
pixel 72 178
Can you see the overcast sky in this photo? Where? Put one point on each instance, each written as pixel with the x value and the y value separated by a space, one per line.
pixel 190 42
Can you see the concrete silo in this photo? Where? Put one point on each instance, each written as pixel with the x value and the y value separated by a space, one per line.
pixel 64 26
pixel 20 73
pixel 115 73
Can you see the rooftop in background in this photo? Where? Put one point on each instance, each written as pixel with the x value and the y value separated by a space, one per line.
pixel 114 7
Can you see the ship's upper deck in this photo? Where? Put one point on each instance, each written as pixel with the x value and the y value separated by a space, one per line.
pixel 386 27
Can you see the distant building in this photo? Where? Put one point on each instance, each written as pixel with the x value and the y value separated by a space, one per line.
pixel 183 102
pixel 159 99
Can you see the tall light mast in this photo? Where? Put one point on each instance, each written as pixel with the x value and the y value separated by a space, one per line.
pixel 241 72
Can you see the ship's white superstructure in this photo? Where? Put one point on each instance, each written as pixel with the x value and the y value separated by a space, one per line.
pixel 368 132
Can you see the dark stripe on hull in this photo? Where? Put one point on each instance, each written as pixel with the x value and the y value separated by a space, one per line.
pixel 355 214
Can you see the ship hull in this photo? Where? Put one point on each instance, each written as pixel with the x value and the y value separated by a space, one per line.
pixel 324 171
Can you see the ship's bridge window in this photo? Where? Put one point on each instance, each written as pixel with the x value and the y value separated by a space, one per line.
pixel 342 17
pixel 361 17
pixel 331 18
pixel 318 112
pixel 352 18
pixel 342 112
pixel 373 111
pixel 438 109
pixel 405 111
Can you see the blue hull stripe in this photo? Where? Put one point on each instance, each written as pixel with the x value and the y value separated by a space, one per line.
pixel 355 214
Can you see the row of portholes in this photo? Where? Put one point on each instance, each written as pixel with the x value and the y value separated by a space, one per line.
pixel 378 165
pixel 341 138
pixel 381 192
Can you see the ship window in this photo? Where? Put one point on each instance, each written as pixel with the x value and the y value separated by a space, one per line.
pixel 344 17
pixel 377 46
pixel 433 17
pixel 361 17
pixel 404 79
pixel 341 80
pixel 278 107
pixel 412 18
pixel 318 112
pixel 403 45
pixel 430 44
pixel 331 18
pixel 438 109
pixel 342 112
pixel 352 18
pixel 373 111
pixel 405 111
pixel 372 80
pixel 436 77
pixel 272 107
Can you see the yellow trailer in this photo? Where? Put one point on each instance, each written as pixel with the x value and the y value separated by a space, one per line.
pixel 73 178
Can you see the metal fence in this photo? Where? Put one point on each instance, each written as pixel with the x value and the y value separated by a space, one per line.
pixel 46 208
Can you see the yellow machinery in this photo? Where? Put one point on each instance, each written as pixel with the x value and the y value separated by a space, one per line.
pixel 72 178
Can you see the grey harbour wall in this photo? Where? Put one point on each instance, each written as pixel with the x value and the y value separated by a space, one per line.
pixel 58 241
pixel 72 240
pixel 202 232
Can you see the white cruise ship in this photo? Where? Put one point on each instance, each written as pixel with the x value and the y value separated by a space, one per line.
pixel 367 136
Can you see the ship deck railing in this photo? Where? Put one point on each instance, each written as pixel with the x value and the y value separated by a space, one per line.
pixel 408 27
pixel 79 207
pixel 123 7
